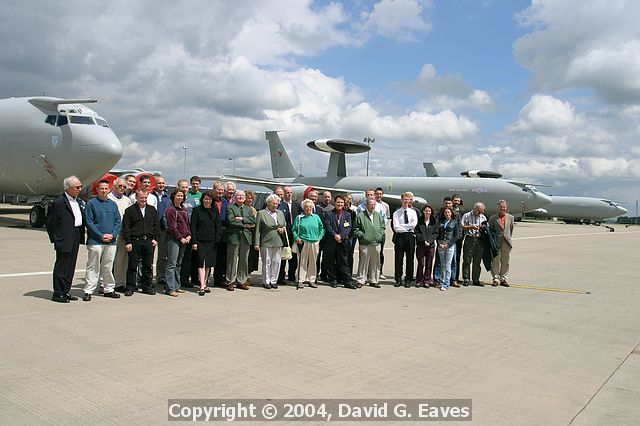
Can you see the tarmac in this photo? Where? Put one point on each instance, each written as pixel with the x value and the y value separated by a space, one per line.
pixel 561 346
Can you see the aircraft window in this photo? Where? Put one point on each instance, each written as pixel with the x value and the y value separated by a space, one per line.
pixel 81 119
pixel 101 122
pixel 62 120
pixel 51 119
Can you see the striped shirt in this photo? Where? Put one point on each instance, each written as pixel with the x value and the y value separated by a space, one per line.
pixel 470 218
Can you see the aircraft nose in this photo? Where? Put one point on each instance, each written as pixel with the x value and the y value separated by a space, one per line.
pixel 101 150
pixel 541 200
pixel 620 211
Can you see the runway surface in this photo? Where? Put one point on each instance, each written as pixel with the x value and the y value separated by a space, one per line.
pixel 559 347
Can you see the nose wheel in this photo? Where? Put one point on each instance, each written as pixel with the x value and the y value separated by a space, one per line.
pixel 37 217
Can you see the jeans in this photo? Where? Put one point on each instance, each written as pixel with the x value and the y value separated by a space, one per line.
pixel 175 252
pixel 446 256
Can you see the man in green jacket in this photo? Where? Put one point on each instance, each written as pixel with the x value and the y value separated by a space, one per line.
pixel 240 221
pixel 370 230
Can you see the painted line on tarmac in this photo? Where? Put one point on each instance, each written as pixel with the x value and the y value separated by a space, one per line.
pixel 28 274
pixel 572 235
pixel 556 290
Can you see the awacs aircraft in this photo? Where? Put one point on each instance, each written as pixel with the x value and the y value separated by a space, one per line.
pixel 579 209
pixel 43 140
pixel 520 197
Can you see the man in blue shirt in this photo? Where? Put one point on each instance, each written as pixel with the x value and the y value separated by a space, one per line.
pixel 103 226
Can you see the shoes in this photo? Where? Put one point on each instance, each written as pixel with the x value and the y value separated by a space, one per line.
pixel 348 285
pixel 313 285
pixel 208 290
pixel 149 291
pixel 374 285
pixel 128 292
pixel 382 277
pixel 170 293
pixel 408 283
pixel 180 290
pixel 443 289
pixel 201 292
pixel 273 286
pixel 100 290
pixel 230 287
pixel 466 283
pixel 398 284
pixel 69 296
pixel 60 299
pixel 113 295
pixel 478 283
pixel 334 283
pixel 86 297
pixel 504 283
pixel 454 284
pixel 267 286
pixel 300 286
pixel 429 284
pixel 495 283
pixel 244 286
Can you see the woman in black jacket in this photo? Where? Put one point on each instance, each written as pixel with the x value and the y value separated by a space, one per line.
pixel 426 233
pixel 206 230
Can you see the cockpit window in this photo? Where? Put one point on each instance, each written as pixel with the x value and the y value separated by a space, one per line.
pixel 62 120
pixel 101 122
pixel 81 119
pixel 51 119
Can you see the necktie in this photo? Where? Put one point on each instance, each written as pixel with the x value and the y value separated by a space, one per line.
pixel 406 217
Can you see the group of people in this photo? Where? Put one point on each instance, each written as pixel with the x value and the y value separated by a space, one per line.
pixel 220 234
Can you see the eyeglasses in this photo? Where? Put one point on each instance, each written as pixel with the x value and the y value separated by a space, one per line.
pixel 78 187
pixel 122 186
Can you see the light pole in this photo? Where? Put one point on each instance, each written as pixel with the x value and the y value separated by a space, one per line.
pixel 369 141
pixel 184 166
pixel 300 168
pixel 234 164
pixel 636 221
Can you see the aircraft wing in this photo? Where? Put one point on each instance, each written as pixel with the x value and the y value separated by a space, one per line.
pixel 269 183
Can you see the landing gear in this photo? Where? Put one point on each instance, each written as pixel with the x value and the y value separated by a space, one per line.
pixel 37 216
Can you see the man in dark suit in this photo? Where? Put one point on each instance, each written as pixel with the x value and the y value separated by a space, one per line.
pixel 140 228
pixel 291 209
pixel 65 226
pixel 337 225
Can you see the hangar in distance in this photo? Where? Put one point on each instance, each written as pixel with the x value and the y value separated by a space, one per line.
pixel 520 196
pixel 45 139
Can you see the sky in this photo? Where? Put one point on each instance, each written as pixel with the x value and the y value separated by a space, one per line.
pixel 543 91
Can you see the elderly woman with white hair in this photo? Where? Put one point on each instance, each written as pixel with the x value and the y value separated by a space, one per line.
pixel 308 230
pixel 270 227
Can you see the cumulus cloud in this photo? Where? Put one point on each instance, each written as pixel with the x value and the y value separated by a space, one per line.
pixel 546 115
pixel 574 44
pixel 396 19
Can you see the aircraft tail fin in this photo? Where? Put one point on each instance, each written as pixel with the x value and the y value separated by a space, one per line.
pixel 430 170
pixel 281 165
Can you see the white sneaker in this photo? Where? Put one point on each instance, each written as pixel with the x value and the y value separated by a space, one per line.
pixel 382 277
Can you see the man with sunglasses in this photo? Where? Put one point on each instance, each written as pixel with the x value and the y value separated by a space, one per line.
pixel 121 260
pixel 65 226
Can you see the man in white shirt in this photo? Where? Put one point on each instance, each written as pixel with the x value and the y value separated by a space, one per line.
pixel 405 221
pixel 145 185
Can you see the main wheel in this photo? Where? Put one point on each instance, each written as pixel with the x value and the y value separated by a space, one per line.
pixel 37 217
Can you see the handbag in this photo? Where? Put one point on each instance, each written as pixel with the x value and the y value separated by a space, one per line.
pixel 286 253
